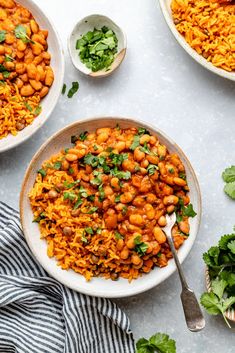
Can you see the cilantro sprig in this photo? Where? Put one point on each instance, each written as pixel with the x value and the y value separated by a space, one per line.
pixel 220 260
pixel 228 176
pixel 160 343
pixel 21 33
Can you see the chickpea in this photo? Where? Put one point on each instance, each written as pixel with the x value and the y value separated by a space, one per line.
pixel 136 219
pixel 10 38
pixel 161 151
pixel 46 56
pixel 111 221
pixel 152 140
pixel 75 213
pixel 129 165
pixel 20 68
pixel 40 209
pixel 103 129
pixel 159 235
pixel 135 259
pixel 27 90
pixel 65 165
pixel 138 154
pixel 49 77
pixel 71 157
pixel 2 50
pixel 152 159
pixel 124 254
pixel 150 247
pixel 151 198
pixel 120 244
pixel 31 71
pixel 120 146
pixel 162 221
pixel 126 197
pixel 37 48
pixel 20 126
pixel 37 85
pixel 39 38
pixel 170 200
pixel 131 241
pixel 67 231
pixel 20 45
pixel 53 194
pixel 144 139
pixel 115 183
pixel 184 226
pixel 19 83
pixel 114 276
pixel 179 181
pixel 34 26
pixel 37 60
pixel 170 209
pixel 102 137
pixel 10 66
pixel 150 212
pixel 167 190
pixel 43 92
pixel 19 54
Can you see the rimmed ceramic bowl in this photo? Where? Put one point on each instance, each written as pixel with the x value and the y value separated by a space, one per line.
pixel 57 62
pixel 101 287
pixel 230 313
pixel 88 24
pixel 166 10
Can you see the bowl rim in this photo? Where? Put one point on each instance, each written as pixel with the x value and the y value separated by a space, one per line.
pixel 197 57
pixel 60 83
pixel 98 74
pixel 100 293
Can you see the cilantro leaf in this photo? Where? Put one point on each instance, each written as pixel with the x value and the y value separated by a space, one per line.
pixel 121 174
pixel 64 88
pixel 118 235
pixel 231 246
pixel 2 36
pixel 225 239
pixel 57 165
pixel 42 172
pixel 151 169
pixel 117 159
pixel 89 230
pixel 77 203
pixel 73 89
pixel 21 33
pixel 145 149
pixel 211 303
pixel 69 196
pixel 135 143
pixel 83 135
pixel 229 189
pixel 92 210
pixel 189 211
pixel 218 287
pixel 228 303
pixel 160 343
pixel 37 110
pixel 142 131
pixel 228 174
pixel 211 257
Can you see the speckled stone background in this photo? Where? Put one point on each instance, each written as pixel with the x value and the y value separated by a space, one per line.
pixel 157 82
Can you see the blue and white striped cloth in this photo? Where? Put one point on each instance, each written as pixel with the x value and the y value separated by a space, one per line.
pixel 40 315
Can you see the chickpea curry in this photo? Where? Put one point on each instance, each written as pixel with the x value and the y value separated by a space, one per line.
pixel 25 72
pixel 101 204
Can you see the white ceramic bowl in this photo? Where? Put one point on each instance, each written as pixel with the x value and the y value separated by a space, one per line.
pixel 88 24
pixel 57 62
pixel 98 286
pixel 166 10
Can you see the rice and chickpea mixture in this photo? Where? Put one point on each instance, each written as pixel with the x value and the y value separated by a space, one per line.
pixel 25 72
pixel 101 204
pixel 209 27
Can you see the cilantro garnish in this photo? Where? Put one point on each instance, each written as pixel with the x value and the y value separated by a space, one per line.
pixel 41 216
pixel 145 149
pixel 143 131
pixel 83 135
pixel 159 343
pixel 140 247
pixel 89 230
pixel 117 159
pixel 69 185
pixel 118 235
pixel 57 165
pixel 135 143
pixel 73 89
pixel 2 36
pixel 42 172
pixel 151 169
pixel 78 203
pixel 21 33
pixel 64 88
pixel 101 193
pixel 92 210
pixel 8 58
pixel 117 198
pixel 69 196
pixel 120 174
pixel 229 177
pixel 97 48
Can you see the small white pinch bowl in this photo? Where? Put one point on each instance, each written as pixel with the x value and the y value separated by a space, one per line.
pixel 88 24
pixel 57 63
pixel 99 286
pixel 165 5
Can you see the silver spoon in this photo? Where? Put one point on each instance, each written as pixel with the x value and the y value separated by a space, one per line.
pixel 192 311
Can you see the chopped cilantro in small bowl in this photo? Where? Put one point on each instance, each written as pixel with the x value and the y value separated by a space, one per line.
pixel 97 46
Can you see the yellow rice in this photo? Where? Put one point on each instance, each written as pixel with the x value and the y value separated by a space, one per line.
pixel 209 27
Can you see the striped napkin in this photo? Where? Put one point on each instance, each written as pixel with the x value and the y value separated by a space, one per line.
pixel 40 315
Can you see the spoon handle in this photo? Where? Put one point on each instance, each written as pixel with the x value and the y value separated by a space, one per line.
pixel 192 311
